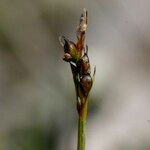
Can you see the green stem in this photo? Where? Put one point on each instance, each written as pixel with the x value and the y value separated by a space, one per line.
pixel 81 134
pixel 82 128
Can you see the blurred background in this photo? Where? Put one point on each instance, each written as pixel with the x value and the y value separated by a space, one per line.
pixel 37 96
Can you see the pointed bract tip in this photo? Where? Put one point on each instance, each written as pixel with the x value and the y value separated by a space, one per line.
pixel 83 21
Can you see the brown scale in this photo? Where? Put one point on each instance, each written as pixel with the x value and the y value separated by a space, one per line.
pixel 86 80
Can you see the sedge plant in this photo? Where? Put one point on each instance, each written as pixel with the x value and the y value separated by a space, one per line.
pixel 76 54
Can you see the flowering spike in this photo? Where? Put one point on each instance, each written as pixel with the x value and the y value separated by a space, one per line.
pixel 77 56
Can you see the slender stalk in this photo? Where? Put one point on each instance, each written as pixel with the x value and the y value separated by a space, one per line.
pixel 82 127
pixel 81 133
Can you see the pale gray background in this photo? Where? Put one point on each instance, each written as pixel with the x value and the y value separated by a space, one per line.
pixel 37 98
